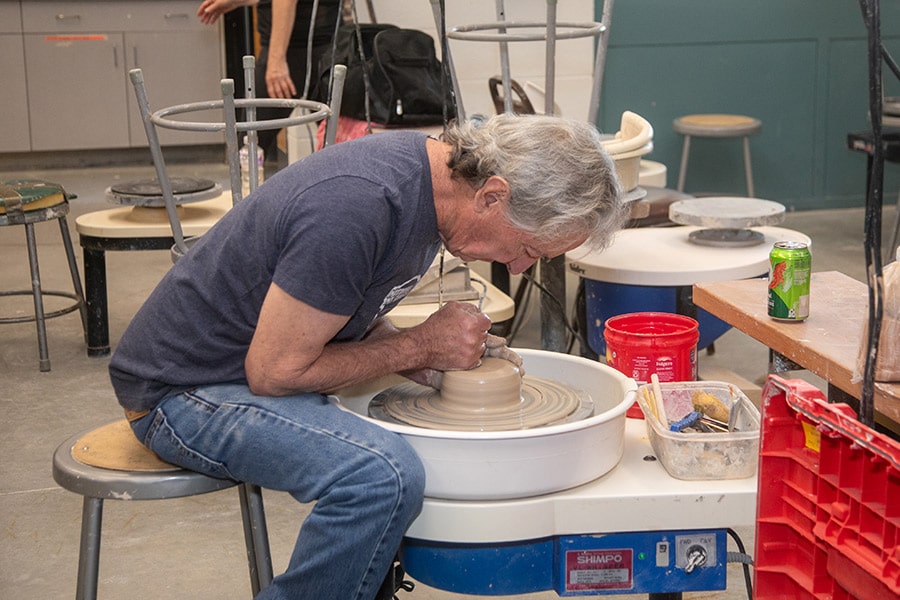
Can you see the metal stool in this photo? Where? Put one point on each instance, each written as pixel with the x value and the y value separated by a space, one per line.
pixel 716 126
pixel 26 202
pixel 109 463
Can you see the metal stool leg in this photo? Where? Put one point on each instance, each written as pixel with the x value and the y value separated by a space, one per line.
pixel 748 169
pixel 682 171
pixel 89 553
pixel 73 271
pixel 256 537
pixel 43 353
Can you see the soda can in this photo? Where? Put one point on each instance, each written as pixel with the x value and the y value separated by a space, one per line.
pixel 790 264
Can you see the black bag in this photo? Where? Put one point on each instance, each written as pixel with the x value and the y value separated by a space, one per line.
pixel 404 76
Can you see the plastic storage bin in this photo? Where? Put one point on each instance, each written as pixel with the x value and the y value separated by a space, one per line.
pixel 828 516
pixel 717 455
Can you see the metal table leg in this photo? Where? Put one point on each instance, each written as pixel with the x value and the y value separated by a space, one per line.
pixel 95 298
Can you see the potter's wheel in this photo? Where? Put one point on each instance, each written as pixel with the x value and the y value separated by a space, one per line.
pixel 517 463
pixel 148 192
pixel 492 397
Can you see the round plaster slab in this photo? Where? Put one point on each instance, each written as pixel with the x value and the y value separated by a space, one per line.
pixel 726 212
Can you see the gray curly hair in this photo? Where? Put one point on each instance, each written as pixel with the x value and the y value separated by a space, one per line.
pixel 562 181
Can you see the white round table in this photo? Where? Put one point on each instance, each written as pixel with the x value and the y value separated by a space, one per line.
pixel 664 256
pixel 653 269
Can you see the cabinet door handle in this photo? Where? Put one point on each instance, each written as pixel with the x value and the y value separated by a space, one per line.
pixel 115 56
pixel 63 17
pixel 176 16
pixel 134 54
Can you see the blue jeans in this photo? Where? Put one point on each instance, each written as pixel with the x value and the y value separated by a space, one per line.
pixel 367 482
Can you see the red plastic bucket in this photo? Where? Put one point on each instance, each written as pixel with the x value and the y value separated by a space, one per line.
pixel 640 344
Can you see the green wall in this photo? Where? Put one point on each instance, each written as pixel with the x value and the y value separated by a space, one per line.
pixel 798 65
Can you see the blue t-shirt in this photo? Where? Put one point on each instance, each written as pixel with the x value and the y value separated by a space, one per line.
pixel 349 230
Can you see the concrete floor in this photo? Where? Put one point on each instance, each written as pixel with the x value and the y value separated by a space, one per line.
pixel 192 548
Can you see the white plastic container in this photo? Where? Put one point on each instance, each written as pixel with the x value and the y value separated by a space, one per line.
pixel 717 455
pixel 628 166
pixel 244 156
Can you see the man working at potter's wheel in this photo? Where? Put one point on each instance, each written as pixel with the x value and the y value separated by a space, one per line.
pixel 223 369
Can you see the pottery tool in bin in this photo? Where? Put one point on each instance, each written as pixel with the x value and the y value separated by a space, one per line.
pixel 701 430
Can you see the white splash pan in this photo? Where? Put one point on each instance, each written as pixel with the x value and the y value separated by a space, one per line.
pixel 489 465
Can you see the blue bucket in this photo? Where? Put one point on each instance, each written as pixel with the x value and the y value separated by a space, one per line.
pixel 604 300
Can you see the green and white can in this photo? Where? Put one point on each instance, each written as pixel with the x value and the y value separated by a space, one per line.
pixel 790 265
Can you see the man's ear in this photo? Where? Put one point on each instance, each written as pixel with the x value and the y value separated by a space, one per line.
pixel 495 191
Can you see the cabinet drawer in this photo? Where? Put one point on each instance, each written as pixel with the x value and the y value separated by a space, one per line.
pixel 76 92
pixel 50 17
pixel 10 17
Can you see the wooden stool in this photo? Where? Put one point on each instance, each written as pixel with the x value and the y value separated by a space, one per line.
pixel 716 126
pixel 109 463
pixel 26 202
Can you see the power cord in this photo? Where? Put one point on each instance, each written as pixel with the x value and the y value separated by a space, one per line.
pixel 876 52
pixel 742 557
pixel 521 301
pixel 580 322
pixel 557 305
pixel 577 330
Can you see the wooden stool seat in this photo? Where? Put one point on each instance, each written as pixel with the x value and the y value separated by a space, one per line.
pixel 717 126
pixel 114 446
pixel 109 463
pixel 26 202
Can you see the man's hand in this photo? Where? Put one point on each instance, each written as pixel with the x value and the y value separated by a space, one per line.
pixel 493 346
pixel 454 337
pixel 496 346
pixel 430 377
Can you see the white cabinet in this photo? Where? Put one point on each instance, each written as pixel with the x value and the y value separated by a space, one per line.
pixel 13 97
pixel 76 94
pixel 77 57
pixel 174 73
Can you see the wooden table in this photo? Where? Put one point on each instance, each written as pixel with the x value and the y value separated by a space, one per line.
pixel 131 228
pixel 827 343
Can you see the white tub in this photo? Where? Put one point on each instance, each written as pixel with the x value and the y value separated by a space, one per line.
pixel 485 465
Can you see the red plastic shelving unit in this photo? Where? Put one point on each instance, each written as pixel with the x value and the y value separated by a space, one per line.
pixel 828 516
